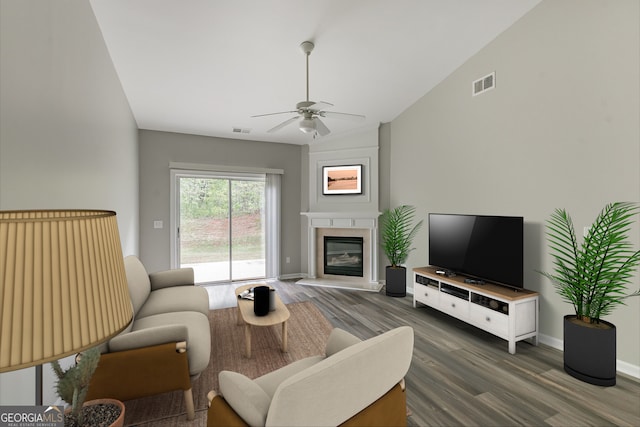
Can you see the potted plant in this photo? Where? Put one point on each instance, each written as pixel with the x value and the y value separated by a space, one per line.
pixel 592 277
pixel 397 233
pixel 72 387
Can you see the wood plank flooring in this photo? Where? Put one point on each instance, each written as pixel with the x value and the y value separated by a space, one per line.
pixel 463 376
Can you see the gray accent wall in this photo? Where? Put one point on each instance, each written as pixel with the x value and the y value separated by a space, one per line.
pixel 68 138
pixel 158 149
pixel 560 130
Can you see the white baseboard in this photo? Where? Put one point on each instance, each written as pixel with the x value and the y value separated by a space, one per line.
pixel 551 341
pixel 621 366
pixel 292 276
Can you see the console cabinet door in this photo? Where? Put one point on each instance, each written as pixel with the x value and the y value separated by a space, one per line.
pixel 489 320
pixel 454 306
pixel 427 295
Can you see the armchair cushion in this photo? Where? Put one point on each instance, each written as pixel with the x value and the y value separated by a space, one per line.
pixel 271 381
pixel 245 396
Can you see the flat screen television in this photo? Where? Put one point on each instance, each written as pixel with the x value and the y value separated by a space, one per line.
pixel 488 248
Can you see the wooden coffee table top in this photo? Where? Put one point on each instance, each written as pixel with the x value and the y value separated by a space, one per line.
pixel 281 313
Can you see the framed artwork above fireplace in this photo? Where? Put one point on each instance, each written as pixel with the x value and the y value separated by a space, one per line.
pixel 342 179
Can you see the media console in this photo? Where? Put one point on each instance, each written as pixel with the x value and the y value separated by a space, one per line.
pixel 508 313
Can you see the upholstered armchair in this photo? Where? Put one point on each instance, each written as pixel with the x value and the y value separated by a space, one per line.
pixel 355 383
pixel 166 346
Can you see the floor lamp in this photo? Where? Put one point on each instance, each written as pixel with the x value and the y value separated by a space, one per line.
pixel 63 287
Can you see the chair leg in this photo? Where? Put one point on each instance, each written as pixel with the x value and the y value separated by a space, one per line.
pixel 188 400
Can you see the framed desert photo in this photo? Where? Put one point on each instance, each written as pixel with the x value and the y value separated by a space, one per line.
pixel 342 179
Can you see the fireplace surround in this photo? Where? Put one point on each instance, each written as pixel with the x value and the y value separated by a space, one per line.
pixel 362 225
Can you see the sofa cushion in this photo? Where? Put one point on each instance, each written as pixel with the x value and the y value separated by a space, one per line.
pixel 270 382
pixel 199 341
pixel 138 281
pixel 245 396
pixel 178 298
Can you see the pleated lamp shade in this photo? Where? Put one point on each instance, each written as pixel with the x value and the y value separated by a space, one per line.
pixel 63 287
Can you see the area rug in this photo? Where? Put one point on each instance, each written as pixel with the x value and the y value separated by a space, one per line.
pixel 308 333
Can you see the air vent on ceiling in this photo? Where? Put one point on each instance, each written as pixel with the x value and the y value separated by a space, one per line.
pixel 241 130
pixel 484 84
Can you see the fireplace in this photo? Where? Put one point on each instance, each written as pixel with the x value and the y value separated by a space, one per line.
pixel 361 225
pixel 343 256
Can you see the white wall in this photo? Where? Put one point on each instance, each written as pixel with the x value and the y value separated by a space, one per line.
pixel 358 147
pixel 560 129
pixel 67 135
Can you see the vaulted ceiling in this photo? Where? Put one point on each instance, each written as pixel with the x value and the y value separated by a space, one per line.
pixel 206 66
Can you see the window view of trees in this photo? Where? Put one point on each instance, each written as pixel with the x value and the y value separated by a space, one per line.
pixel 205 212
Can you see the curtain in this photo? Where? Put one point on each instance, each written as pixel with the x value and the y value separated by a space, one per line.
pixel 272 231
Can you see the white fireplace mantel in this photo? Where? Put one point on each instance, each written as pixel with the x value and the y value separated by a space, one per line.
pixel 344 220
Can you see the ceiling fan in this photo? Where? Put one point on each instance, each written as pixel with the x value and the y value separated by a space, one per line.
pixel 307 112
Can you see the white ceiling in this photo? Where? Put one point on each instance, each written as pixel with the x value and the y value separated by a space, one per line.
pixel 205 66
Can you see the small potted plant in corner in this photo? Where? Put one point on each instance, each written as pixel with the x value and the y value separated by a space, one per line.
pixel 72 387
pixel 592 277
pixel 397 233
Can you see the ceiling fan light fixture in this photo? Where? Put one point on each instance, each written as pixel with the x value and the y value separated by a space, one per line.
pixel 309 112
pixel 307 125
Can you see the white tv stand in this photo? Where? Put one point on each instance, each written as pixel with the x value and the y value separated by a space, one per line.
pixel 511 314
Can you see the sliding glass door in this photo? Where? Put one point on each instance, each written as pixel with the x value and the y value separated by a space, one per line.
pixel 221 226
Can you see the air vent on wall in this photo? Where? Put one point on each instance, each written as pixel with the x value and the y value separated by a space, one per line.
pixel 241 130
pixel 484 84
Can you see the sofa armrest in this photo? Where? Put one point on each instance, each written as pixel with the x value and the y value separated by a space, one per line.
pixel 245 396
pixel 149 337
pixel 169 278
pixel 339 340
pixel 140 372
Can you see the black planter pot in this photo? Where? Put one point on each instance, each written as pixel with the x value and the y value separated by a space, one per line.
pixel 590 353
pixel 396 281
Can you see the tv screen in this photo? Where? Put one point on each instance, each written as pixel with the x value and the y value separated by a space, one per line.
pixel 482 246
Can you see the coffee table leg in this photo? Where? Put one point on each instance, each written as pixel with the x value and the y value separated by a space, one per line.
pixel 247 339
pixel 284 336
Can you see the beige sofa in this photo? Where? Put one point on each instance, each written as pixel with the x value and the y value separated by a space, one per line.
pixel 166 346
pixel 354 383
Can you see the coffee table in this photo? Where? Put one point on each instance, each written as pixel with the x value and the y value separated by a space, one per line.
pixel 247 317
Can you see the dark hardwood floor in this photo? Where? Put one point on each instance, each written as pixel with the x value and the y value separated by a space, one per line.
pixel 463 376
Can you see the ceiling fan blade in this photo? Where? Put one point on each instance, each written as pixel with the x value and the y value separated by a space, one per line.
pixel 283 124
pixel 342 116
pixel 321 128
pixel 273 114
pixel 319 106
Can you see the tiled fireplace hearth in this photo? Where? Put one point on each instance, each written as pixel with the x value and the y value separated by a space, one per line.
pixel 343 224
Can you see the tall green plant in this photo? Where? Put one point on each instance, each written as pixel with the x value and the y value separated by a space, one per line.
pixel 593 276
pixel 398 233
pixel 73 383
